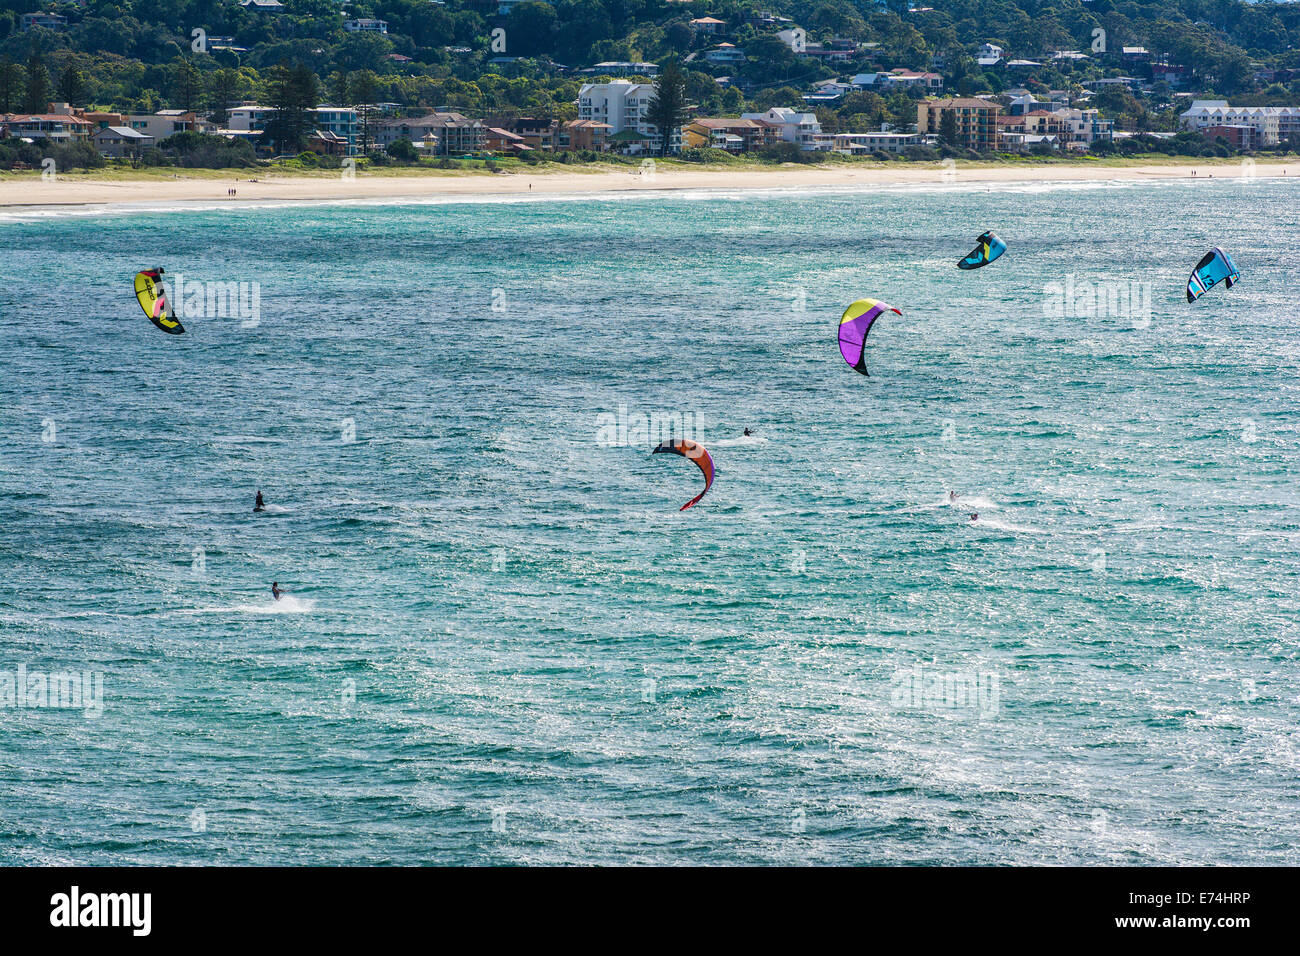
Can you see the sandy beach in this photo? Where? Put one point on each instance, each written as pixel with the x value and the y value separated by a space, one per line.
pixel 78 190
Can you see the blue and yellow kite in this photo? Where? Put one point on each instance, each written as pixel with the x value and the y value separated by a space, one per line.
pixel 989 248
pixel 1217 266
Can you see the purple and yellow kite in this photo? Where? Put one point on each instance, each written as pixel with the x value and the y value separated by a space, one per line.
pixel 855 323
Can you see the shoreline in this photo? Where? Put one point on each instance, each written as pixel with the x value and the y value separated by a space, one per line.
pixel 77 191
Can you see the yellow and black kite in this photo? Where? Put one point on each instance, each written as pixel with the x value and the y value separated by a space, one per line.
pixel 149 292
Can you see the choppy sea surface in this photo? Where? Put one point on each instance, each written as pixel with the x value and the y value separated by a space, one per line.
pixel 505 644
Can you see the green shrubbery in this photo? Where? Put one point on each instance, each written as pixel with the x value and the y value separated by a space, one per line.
pixel 708 156
pixel 404 151
pixel 202 151
pixel 15 152
pixel 784 152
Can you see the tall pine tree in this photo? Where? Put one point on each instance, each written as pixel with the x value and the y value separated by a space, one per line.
pixel 187 85
pixel 948 127
pixel 666 110
pixel 37 96
pixel 364 87
pixel 224 90
pixel 341 88
pixel 292 93
pixel 11 85
pixel 72 86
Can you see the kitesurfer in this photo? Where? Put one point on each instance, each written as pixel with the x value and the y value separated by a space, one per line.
pixel 747 433
pixel 952 496
pixel 259 505
pixel 275 590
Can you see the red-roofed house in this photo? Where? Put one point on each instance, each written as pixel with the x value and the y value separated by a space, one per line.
pixel 55 127
pixel 709 25
pixel 503 141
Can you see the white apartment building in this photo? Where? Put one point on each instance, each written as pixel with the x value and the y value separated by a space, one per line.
pixel 792 126
pixel 990 54
pixel 725 53
pixel 897 80
pixel 366 25
pixel 622 105
pixel 164 123
pixel 1272 124
pixel 1085 126
pixel 863 144
pixel 339 120
pixel 50 21
pixel 248 118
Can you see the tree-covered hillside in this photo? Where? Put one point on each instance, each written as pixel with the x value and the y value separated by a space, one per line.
pixel 142 55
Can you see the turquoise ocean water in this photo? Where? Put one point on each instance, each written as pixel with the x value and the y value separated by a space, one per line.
pixel 506 645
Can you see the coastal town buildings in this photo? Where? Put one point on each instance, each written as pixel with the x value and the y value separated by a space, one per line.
pixel 337 123
pixel 48 21
pixel 1085 127
pixel 793 126
pixel 622 105
pixel 1270 125
pixel 621 68
pixel 366 25
pixel 864 144
pixel 733 135
pixel 990 54
pixel 450 133
pixel 54 127
pixel 897 80
pixel 164 123
pixel 975 120
pixel 121 142
pixel 583 134
pixel 710 25
pixel 725 53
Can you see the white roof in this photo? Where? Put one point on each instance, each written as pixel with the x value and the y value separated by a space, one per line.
pixel 124 132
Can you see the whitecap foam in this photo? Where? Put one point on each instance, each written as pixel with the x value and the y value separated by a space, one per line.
pixel 997 525
pixel 288 604
pixel 246 440
pixel 972 502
